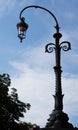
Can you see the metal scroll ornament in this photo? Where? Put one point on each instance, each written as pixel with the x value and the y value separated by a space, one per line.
pixel 65 46
pixel 49 48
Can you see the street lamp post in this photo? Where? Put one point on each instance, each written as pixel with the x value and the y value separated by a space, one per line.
pixel 58 119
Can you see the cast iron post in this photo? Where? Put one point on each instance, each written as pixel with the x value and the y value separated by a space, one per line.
pixel 58 119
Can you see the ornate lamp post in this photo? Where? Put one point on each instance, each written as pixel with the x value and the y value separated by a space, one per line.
pixel 58 119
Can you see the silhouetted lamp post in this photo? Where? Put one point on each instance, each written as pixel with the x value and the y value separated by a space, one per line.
pixel 57 119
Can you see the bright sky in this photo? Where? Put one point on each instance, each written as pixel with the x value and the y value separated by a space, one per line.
pixel 30 69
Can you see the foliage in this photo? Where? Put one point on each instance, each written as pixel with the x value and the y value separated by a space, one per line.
pixel 11 108
pixel 33 126
pixel 23 126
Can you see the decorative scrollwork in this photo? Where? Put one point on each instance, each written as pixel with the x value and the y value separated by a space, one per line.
pixel 65 45
pixel 50 47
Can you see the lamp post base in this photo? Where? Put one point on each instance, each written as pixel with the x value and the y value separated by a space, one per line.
pixel 58 119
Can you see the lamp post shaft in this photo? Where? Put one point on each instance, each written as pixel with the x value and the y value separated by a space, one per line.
pixel 57 69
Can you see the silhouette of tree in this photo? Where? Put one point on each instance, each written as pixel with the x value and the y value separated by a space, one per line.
pixel 23 126
pixel 11 108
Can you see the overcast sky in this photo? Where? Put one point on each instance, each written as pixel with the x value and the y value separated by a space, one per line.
pixel 30 68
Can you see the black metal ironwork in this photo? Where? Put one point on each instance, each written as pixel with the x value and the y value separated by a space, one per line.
pixel 58 119
pixel 35 6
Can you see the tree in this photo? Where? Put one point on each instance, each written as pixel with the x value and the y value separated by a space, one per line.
pixel 23 126
pixel 11 108
pixel 33 126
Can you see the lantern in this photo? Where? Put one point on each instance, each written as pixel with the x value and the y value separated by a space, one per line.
pixel 22 28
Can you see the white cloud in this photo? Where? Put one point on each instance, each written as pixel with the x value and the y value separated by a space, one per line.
pixel 71 91
pixel 34 86
pixel 34 83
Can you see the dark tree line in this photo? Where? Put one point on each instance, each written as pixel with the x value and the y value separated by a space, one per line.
pixel 11 108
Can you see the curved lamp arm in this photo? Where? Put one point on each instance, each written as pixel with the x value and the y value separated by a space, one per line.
pixel 23 26
pixel 35 6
